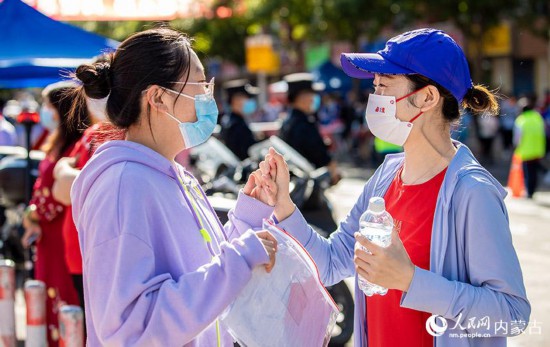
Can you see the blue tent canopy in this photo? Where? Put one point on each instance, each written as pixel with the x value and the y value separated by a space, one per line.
pixel 36 50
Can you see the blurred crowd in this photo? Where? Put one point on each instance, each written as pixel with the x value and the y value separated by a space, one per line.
pixel 340 132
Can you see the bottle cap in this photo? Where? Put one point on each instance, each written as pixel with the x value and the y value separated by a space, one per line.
pixel 377 204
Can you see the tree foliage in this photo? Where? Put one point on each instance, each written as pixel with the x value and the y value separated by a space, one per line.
pixel 294 22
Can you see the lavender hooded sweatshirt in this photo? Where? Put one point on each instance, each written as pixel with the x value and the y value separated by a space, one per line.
pixel 474 273
pixel 149 279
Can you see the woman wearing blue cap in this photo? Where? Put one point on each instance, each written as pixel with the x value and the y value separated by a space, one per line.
pixel 451 254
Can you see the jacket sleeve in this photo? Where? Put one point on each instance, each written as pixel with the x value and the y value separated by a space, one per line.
pixel 248 213
pixel 496 292
pixel 333 256
pixel 131 306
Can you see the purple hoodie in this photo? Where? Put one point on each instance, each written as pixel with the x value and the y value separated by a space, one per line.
pixel 149 278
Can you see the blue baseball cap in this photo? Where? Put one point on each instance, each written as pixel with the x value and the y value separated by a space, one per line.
pixel 427 52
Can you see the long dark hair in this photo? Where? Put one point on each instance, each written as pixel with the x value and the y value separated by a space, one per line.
pixel 158 56
pixel 70 128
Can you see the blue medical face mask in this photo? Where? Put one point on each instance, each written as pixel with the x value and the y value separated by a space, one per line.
pixel 315 103
pixel 206 111
pixel 249 107
pixel 46 119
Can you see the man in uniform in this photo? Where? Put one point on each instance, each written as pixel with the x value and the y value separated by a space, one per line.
pixel 235 133
pixel 300 129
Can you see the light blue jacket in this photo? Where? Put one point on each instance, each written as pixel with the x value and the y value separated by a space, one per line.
pixel 474 278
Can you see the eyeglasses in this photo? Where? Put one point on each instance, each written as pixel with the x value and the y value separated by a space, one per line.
pixel 208 86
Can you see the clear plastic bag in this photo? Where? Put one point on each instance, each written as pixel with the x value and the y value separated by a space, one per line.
pixel 287 307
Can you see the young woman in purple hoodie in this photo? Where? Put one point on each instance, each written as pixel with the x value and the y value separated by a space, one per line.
pixel 158 267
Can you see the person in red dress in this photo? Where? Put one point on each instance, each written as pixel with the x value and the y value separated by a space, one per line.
pixel 65 173
pixel 44 218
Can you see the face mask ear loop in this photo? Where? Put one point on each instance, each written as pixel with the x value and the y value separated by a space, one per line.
pixel 406 96
pixel 411 93
pixel 174 118
pixel 415 117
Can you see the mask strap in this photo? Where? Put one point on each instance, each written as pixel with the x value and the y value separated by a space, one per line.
pixel 415 117
pixel 174 118
pixel 411 93
pixel 406 96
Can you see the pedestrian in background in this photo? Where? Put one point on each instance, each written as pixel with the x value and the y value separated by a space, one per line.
pixel 241 98
pixel 509 111
pixel 65 172
pixel 8 136
pixel 301 129
pixel 530 140
pixel 44 218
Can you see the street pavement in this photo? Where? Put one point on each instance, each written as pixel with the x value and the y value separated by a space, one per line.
pixel 530 227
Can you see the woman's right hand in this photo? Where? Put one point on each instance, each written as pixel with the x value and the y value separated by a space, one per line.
pixel 275 170
pixel 32 234
pixel 270 245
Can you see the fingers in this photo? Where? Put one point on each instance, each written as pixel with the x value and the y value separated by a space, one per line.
pixel 363 241
pixel 280 165
pixel 271 195
pixel 266 235
pixel 272 165
pixel 366 265
pixel 250 184
pixel 270 244
pixel 364 270
pixel 265 168
pixel 257 178
pixel 277 158
pixel 362 254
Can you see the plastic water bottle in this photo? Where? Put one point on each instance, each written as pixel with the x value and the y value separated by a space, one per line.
pixel 376 224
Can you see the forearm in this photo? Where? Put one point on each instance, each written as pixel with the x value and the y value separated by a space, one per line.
pixel 333 256
pixel 61 189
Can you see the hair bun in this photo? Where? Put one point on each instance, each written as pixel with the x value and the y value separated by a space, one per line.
pixel 96 79
pixel 480 100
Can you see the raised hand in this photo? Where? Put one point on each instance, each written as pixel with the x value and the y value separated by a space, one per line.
pixel 275 170
pixel 261 188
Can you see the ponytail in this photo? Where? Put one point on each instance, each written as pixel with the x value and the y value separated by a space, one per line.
pixel 480 100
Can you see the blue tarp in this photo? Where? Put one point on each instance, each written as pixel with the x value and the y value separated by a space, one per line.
pixel 36 50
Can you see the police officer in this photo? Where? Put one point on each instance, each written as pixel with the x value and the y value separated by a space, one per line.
pixel 235 133
pixel 300 129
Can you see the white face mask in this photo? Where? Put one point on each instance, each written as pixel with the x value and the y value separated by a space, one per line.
pixel 382 120
pixel 47 119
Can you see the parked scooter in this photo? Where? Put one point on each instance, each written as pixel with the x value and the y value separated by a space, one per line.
pixel 13 200
pixel 223 175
